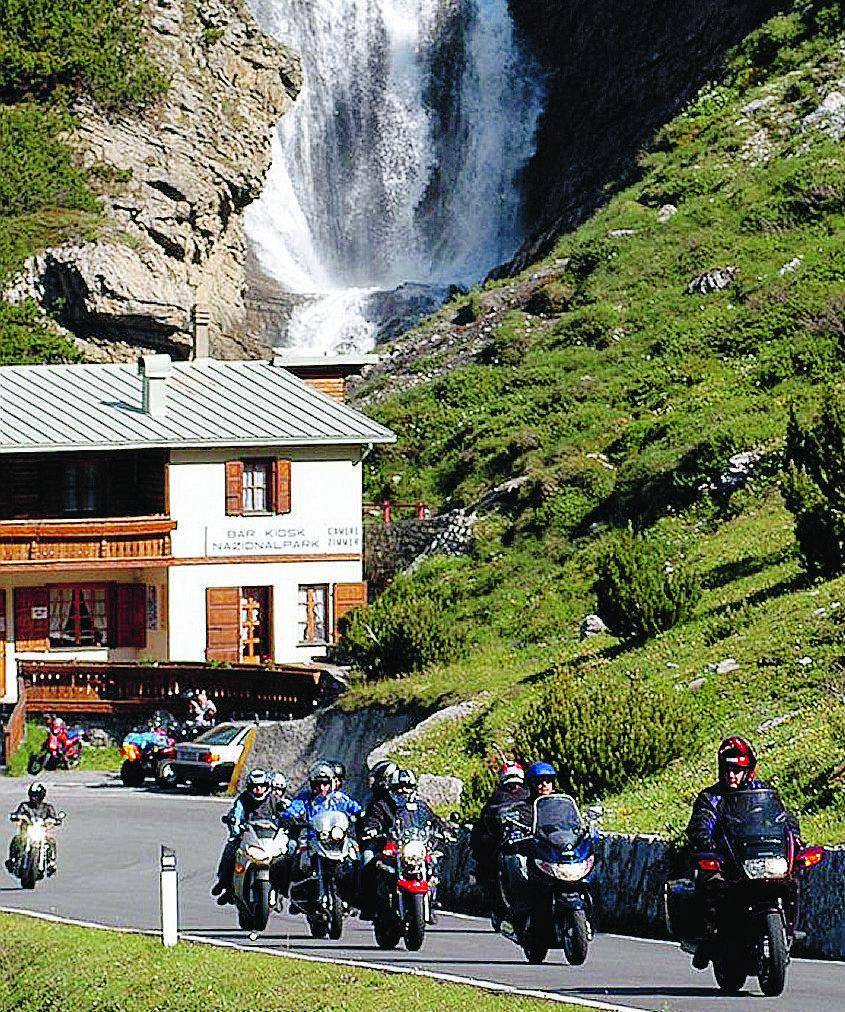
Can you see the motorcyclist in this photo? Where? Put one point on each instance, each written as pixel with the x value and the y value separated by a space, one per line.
pixel 737 766
pixel 540 778
pixel 486 837
pixel 35 807
pixel 278 788
pixel 256 801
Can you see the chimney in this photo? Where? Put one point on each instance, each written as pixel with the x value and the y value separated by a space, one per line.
pixel 154 371
pixel 202 344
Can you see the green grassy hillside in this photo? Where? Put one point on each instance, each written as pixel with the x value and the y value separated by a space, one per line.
pixel 52 53
pixel 618 397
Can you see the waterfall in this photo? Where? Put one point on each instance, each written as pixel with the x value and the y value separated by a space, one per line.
pixel 397 171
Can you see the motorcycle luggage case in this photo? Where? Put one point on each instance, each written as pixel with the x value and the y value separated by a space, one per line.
pixel 684 916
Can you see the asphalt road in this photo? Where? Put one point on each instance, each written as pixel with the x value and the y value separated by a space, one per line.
pixel 108 874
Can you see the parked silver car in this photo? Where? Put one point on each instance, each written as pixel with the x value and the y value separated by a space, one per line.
pixel 209 761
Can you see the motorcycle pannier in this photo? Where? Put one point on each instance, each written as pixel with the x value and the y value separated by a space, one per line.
pixel 684 916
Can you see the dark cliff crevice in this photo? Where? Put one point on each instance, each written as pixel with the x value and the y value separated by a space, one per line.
pixel 618 70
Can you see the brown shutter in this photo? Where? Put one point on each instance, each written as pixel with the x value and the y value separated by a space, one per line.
pixel 130 613
pixel 31 632
pixel 346 597
pixel 223 624
pixel 281 486
pixel 234 488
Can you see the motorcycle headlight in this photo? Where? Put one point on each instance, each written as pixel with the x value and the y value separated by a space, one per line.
pixel 36 833
pixel 766 867
pixel 570 872
pixel 258 854
pixel 336 833
pixel 413 851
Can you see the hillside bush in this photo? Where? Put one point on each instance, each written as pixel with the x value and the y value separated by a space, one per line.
pixel 402 631
pixel 602 733
pixel 640 592
pixel 60 48
pixel 813 486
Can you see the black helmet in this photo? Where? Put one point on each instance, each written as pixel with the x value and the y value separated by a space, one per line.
pixel 381 771
pixel 37 793
pixel 320 773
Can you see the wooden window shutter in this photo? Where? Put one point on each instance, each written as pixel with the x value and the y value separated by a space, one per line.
pixel 234 488
pixel 346 597
pixel 32 618
pixel 281 486
pixel 223 624
pixel 130 615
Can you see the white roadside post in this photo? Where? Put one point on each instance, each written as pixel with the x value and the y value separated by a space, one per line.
pixel 169 898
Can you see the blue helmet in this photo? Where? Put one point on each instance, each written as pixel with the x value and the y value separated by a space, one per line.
pixel 540 771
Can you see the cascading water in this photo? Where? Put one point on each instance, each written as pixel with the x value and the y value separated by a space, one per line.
pixel 398 168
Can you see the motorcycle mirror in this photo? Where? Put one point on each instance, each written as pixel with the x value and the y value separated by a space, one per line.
pixel 61 816
pixel 454 817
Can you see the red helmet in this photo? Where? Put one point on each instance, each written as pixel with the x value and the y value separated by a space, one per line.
pixel 737 754
pixel 511 773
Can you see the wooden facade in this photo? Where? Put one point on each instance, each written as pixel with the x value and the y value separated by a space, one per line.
pixel 82 544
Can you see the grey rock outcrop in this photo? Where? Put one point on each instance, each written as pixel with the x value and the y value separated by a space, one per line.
pixel 180 176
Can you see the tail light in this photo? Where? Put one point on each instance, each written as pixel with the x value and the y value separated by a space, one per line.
pixel 391 849
pixel 809 857
pixel 210 757
pixel 709 864
pixel 130 752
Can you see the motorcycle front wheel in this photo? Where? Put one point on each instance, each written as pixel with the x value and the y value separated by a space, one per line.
pixel 774 957
pixel 318 928
pixel 414 922
pixel 335 910
pixel 576 937
pixel 35 764
pixel 387 931
pixel 28 874
pixel 260 904
pixel 729 966
pixel 165 775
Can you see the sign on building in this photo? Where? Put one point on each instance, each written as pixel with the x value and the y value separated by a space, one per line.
pixel 251 537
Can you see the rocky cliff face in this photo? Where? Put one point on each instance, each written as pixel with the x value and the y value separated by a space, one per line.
pixel 175 181
pixel 618 70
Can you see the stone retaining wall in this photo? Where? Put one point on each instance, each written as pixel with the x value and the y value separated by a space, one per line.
pixel 630 891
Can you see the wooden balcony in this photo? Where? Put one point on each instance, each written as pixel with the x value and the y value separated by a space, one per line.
pixel 239 691
pixel 117 543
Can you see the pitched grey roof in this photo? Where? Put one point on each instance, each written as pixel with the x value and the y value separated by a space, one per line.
pixel 209 403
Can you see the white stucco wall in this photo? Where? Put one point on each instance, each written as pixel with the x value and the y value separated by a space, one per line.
pixel 188 585
pixel 326 485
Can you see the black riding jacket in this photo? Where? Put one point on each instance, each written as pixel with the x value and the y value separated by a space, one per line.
pixel 705 815
pixel 28 810
pixel 486 838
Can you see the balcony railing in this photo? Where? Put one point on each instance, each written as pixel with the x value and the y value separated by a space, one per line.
pixel 90 543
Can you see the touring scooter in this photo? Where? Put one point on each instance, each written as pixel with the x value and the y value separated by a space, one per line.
pixel 323 863
pixel 560 851
pixel 33 847
pixel 262 845
pixel 752 882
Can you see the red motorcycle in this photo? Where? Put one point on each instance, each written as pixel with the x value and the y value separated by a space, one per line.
pixel 60 751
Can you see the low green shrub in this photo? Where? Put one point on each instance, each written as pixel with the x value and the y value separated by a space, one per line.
pixel 813 486
pixel 601 733
pixel 402 631
pixel 640 592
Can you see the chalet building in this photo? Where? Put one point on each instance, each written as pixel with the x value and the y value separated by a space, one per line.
pixel 178 511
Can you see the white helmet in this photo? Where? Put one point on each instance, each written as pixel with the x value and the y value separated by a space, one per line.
pixel 402 781
pixel 279 782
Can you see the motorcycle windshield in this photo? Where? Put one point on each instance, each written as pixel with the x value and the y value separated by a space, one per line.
pixel 750 819
pixel 557 820
pixel 412 821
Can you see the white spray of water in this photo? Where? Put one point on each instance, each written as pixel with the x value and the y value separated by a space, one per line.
pixel 400 160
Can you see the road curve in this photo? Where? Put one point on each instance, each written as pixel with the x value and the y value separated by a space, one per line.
pixel 108 874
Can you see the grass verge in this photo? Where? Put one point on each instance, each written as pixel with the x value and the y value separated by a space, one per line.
pixel 106 759
pixel 44 965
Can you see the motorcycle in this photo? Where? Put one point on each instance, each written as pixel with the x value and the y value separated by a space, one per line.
pixel 560 850
pixel 406 882
pixel 323 865
pixel 32 851
pixel 149 750
pixel 753 890
pixel 261 846
pixel 56 754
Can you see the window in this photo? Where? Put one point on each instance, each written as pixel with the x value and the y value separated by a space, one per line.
pixel 256 490
pixel 78 616
pixel 313 614
pixel 81 486
pixel 219 735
